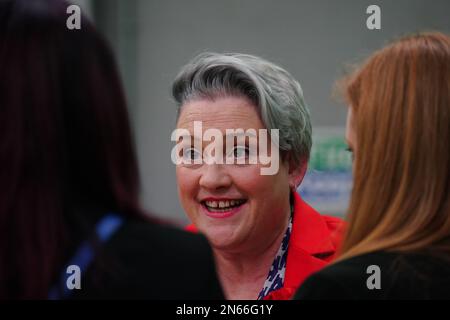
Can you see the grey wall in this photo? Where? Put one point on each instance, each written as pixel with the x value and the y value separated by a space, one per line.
pixel 311 39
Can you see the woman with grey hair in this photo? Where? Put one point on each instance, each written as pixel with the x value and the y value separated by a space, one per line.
pixel 265 238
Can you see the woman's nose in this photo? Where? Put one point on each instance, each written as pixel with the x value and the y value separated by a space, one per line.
pixel 214 177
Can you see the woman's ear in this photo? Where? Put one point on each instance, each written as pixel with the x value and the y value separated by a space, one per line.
pixel 296 172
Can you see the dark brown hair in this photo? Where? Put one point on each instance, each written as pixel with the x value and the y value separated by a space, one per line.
pixel 65 139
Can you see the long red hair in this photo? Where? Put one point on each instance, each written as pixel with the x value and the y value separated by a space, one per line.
pixel 400 100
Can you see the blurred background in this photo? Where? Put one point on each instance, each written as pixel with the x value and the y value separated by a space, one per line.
pixel 315 40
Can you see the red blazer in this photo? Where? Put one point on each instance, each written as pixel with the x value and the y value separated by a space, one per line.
pixel 313 244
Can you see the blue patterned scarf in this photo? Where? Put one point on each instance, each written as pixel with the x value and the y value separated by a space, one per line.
pixel 275 278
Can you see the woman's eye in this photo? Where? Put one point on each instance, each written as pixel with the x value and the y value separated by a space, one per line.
pixel 349 149
pixel 240 152
pixel 190 154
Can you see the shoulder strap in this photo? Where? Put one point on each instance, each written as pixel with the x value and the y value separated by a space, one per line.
pixel 84 255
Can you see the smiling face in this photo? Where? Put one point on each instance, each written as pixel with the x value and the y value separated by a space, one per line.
pixel 236 207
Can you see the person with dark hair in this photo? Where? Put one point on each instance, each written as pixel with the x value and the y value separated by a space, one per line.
pixel 397 240
pixel 69 178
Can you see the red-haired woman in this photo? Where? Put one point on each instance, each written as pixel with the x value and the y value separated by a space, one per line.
pixel 397 242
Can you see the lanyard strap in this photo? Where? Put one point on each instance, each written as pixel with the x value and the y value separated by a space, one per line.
pixel 84 255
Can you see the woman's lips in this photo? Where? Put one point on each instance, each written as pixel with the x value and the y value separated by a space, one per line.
pixel 222 208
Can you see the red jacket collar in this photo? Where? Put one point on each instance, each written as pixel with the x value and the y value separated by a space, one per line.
pixel 309 230
pixel 309 246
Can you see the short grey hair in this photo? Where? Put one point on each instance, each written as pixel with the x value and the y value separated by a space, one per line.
pixel 277 96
